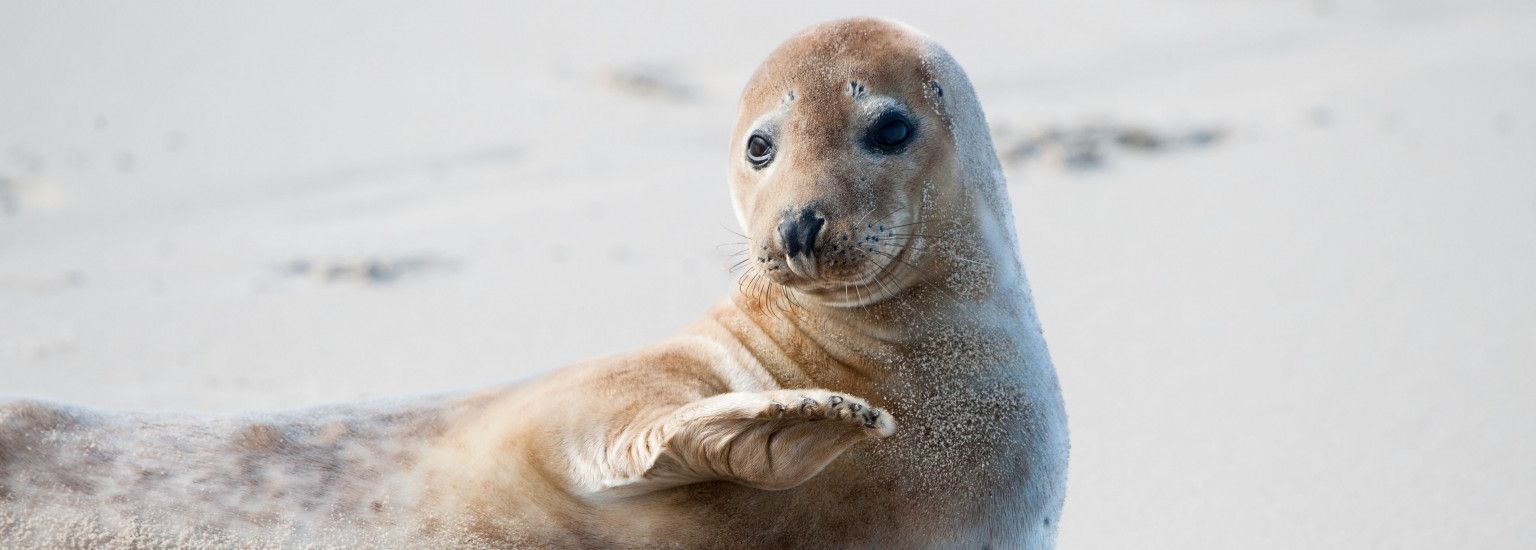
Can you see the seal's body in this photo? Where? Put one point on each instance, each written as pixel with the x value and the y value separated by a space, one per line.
pixel 882 284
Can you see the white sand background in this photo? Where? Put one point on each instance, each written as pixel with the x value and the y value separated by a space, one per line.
pixel 1317 332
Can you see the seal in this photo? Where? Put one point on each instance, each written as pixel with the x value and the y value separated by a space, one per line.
pixel 881 284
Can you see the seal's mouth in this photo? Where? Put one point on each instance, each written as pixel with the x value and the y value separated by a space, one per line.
pixel 849 265
pixel 805 266
pixel 874 278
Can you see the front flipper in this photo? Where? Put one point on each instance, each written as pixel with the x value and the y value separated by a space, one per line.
pixel 768 440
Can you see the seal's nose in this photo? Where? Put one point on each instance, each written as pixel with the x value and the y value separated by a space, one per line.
pixel 798 232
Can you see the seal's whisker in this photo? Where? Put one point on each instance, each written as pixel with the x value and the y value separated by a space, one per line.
pixel 948 254
pixel 906 224
pixel 735 232
pixel 757 287
pixel 936 284
pixel 792 301
pixel 862 217
pixel 898 210
pixel 903 262
pixel 886 289
pixel 965 259
pixel 764 289
pixel 744 280
pixel 865 216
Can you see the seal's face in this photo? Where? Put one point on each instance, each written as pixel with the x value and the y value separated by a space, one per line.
pixel 840 147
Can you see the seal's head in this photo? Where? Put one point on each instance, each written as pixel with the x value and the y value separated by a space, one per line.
pixel 845 150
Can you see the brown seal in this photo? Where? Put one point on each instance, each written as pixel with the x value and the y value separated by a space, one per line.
pixel 882 288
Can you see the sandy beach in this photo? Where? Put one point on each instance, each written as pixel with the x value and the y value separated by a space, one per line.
pixel 1284 252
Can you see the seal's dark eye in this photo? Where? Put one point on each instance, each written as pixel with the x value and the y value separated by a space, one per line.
pixel 759 151
pixel 890 134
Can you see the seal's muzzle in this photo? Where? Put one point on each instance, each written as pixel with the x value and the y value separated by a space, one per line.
pixel 798 232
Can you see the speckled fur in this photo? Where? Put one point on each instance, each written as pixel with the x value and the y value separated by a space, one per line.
pixel 74 478
pixel 891 391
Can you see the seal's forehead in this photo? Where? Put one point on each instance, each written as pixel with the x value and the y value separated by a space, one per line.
pixel 821 60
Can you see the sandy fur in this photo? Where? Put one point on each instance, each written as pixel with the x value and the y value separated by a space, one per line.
pixel 917 410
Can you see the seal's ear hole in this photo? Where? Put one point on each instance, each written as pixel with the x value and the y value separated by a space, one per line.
pixel 855 88
pixel 937 90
